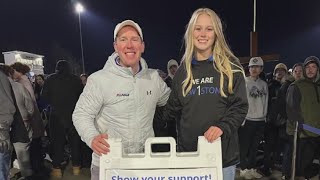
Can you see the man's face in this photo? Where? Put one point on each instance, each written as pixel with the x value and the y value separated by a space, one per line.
pixel 255 71
pixel 297 72
pixel 129 46
pixel 280 73
pixel 311 70
pixel 83 80
pixel 173 69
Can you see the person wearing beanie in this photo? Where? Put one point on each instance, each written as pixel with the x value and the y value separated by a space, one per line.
pixel 280 72
pixel 303 104
pixel 282 116
pixel 275 126
pixel 61 90
pixel 172 68
pixel 251 132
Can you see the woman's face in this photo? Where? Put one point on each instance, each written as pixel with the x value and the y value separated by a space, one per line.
pixel 203 35
pixel 39 80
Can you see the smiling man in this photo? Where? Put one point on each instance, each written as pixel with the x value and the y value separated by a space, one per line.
pixel 119 101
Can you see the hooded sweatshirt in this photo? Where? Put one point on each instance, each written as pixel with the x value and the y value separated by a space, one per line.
pixel 303 101
pixel 121 104
pixel 169 78
pixel 257 92
pixel 204 107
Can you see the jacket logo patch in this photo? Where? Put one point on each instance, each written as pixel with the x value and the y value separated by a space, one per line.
pixel 149 92
pixel 122 94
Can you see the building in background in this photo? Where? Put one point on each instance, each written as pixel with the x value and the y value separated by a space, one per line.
pixel 34 61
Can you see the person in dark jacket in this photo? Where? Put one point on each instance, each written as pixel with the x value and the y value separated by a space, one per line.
pixel 288 136
pixel 62 90
pixel 208 90
pixel 303 104
pixel 274 126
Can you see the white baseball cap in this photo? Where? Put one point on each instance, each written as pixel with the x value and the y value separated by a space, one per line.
pixel 127 23
pixel 256 61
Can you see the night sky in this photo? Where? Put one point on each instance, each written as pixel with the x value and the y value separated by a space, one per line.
pixel 290 28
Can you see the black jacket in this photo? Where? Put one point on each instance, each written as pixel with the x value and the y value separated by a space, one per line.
pixel 273 103
pixel 204 107
pixel 62 91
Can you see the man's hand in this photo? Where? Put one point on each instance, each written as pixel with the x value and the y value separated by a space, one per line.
pixel 5 146
pixel 213 133
pixel 99 145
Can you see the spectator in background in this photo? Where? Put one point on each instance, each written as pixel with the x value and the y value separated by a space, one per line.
pixel 303 104
pixel 38 85
pixel 172 67
pixel 251 132
pixel 19 75
pixel 297 71
pixel 84 78
pixel 7 111
pixel 62 90
pixel 274 146
pixel 21 132
pixel 86 151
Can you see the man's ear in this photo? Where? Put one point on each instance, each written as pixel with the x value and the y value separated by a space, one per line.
pixel 142 47
pixel 115 47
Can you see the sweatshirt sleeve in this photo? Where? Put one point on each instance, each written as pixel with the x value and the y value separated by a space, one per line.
pixel 86 110
pixel 173 107
pixel 265 111
pixel 237 108
pixel 293 104
pixel 164 91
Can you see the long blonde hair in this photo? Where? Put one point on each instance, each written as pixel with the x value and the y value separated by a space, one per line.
pixel 221 53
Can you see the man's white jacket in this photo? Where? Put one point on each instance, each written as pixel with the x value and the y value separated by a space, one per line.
pixel 120 104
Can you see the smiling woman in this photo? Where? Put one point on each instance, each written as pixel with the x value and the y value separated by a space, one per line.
pixel 208 90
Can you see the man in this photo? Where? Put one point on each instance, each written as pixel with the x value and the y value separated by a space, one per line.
pixel 297 71
pixel 251 133
pixel 7 110
pixel 303 104
pixel 172 68
pixel 84 78
pixel 119 101
pixel 274 127
pixel 62 90
pixel 21 132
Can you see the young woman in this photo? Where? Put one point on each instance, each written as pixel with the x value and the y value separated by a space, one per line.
pixel 208 91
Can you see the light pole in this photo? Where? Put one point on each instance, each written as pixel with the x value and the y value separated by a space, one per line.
pixel 80 9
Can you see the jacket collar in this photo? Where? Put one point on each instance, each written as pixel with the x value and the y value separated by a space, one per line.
pixel 194 61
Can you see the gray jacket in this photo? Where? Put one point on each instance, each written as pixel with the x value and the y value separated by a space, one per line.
pixel 23 99
pixel 7 110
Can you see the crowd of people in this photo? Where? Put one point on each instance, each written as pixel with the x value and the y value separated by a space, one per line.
pixel 206 94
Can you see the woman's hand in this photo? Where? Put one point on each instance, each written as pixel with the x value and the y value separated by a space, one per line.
pixel 213 133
